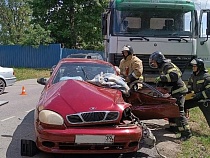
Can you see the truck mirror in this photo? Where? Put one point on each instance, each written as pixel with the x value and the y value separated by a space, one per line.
pixel 208 24
pixel 104 24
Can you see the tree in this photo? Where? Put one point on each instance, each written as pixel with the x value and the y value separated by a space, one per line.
pixel 15 26
pixel 76 23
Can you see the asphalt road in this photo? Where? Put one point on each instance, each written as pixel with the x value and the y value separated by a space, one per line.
pixel 16 123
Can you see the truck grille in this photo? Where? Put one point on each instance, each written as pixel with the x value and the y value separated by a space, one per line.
pixel 96 116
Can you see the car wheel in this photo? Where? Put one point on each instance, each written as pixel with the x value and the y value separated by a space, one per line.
pixel 2 86
pixel 28 148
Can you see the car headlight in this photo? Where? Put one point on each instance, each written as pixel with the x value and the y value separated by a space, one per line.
pixel 50 117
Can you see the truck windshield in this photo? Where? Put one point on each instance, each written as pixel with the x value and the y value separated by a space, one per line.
pixel 153 23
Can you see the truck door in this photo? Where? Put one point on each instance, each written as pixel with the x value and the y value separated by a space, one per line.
pixel 203 42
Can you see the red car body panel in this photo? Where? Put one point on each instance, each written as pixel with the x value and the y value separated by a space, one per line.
pixel 74 97
pixel 126 140
pixel 145 106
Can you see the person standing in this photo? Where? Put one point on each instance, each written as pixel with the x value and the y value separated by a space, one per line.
pixel 170 76
pixel 199 86
pixel 131 67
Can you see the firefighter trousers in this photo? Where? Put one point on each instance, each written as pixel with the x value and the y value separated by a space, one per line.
pixel 204 107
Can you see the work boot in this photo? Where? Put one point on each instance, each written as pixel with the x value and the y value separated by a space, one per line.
pixel 173 129
pixel 185 137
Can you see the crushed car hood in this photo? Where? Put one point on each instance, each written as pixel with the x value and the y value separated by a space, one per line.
pixel 73 96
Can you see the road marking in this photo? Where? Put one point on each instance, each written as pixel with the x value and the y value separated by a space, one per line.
pixel 29 110
pixel 7 118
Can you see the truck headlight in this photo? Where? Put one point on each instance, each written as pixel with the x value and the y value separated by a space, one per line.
pixel 50 117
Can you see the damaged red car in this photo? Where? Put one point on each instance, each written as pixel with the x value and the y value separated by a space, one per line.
pixel 86 108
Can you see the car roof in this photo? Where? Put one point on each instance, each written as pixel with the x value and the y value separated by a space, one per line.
pixel 84 60
pixel 81 55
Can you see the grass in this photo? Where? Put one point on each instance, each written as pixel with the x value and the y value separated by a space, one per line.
pixel 196 147
pixel 199 145
pixel 27 73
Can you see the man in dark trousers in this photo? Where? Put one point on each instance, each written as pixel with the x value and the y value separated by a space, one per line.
pixel 199 86
pixel 170 76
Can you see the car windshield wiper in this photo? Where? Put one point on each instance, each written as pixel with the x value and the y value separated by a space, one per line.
pixel 85 74
pixel 178 39
pixel 139 38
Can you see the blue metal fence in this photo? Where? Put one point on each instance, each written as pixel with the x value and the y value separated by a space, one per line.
pixel 41 57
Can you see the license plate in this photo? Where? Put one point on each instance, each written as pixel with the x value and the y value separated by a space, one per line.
pixel 94 139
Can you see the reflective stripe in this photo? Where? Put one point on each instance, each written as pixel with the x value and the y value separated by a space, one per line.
pixel 187 127
pixel 134 75
pixel 204 94
pixel 179 90
pixel 177 69
pixel 172 124
pixel 141 78
pixel 172 69
pixel 168 77
pixel 181 128
pixel 199 81
pixel 208 86
pixel 189 86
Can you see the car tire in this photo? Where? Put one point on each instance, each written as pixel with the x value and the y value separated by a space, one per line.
pixel 2 86
pixel 28 148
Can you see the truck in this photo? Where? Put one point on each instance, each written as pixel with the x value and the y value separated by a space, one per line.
pixel 174 27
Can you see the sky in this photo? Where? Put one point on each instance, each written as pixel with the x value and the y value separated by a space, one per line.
pixel 202 4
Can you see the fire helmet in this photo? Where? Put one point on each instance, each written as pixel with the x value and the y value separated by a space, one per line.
pixel 128 48
pixel 158 57
pixel 200 64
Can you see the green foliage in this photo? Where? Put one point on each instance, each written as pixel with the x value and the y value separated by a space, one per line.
pixel 75 23
pixel 36 35
pixel 15 18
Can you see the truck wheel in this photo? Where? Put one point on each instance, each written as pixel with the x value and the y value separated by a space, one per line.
pixel 2 86
pixel 28 148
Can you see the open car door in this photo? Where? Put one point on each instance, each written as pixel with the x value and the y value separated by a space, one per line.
pixel 152 103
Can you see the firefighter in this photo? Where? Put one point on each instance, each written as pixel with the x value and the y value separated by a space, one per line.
pixel 131 67
pixel 199 86
pixel 170 77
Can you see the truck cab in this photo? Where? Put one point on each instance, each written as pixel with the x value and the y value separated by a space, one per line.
pixel 169 26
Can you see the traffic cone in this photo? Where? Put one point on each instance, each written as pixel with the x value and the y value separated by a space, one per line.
pixel 23 91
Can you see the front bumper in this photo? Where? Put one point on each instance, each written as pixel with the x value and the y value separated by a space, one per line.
pixel 10 81
pixel 126 139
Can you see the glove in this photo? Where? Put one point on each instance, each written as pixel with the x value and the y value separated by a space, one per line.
pixel 189 95
pixel 157 79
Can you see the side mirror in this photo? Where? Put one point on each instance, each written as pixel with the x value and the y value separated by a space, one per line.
pixel 42 81
pixel 208 24
pixel 104 24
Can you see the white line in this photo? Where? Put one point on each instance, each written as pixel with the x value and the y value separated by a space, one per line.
pixel 7 118
pixel 29 110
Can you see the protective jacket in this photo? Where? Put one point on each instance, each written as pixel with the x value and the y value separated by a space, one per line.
pixel 200 84
pixel 170 76
pixel 131 67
